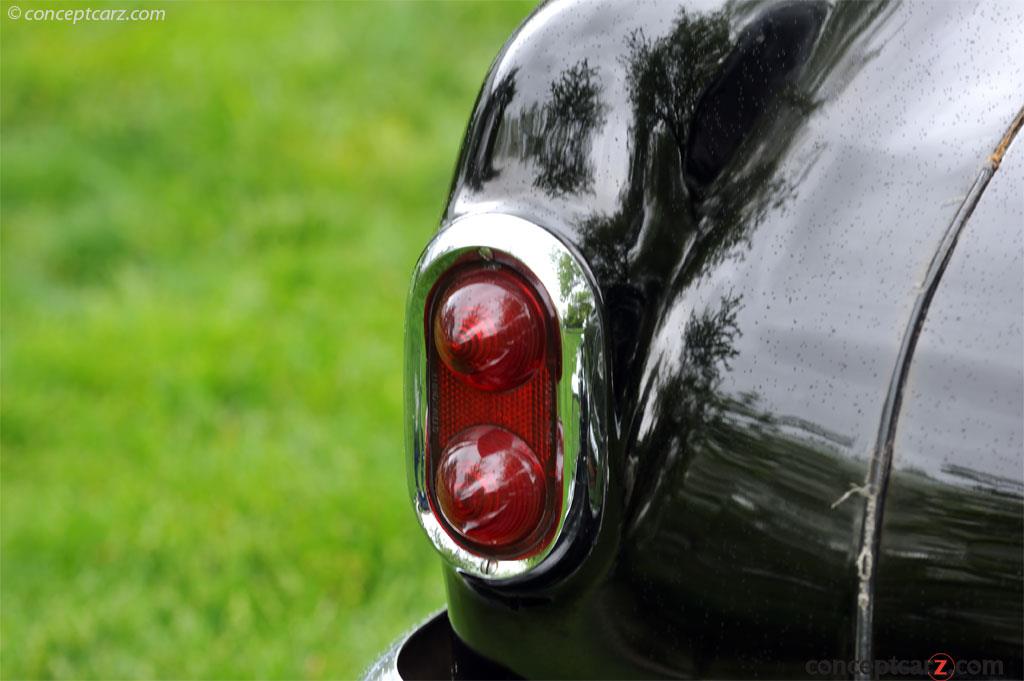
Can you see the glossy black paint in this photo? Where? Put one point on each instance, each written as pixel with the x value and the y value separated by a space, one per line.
pixel 759 190
pixel 950 568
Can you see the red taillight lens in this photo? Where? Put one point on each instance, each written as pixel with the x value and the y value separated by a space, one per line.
pixel 489 329
pixel 490 487
pixel 493 470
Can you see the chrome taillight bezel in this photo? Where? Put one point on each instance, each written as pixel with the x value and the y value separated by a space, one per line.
pixel 581 388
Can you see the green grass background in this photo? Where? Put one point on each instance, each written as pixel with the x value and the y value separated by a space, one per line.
pixel 208 225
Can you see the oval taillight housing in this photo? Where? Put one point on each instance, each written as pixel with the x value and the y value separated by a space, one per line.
pixel 506 394
pixel 493 471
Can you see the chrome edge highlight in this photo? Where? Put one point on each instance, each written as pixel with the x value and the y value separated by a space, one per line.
pixel 581 388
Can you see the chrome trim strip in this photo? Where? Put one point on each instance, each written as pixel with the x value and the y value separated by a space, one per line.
pixel 581 388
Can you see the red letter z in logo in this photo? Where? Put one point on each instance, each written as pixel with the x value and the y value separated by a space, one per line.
pixel 941 667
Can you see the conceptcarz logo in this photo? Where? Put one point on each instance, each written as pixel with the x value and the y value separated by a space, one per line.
pixel 939 667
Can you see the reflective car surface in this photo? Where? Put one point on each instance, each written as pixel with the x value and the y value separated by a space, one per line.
pixel 795 402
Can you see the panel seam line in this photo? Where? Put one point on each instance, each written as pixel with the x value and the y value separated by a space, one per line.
pixel 877 479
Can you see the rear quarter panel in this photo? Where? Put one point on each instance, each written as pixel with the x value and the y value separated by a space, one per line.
pixel 759 190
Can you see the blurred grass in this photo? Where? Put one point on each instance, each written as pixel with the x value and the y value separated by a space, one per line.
pixel 208 225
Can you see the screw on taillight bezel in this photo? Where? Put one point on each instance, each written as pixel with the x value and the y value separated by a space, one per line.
pixel 578 384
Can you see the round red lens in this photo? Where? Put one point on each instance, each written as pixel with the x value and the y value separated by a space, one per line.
pixel 490 487
pixel 489 330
